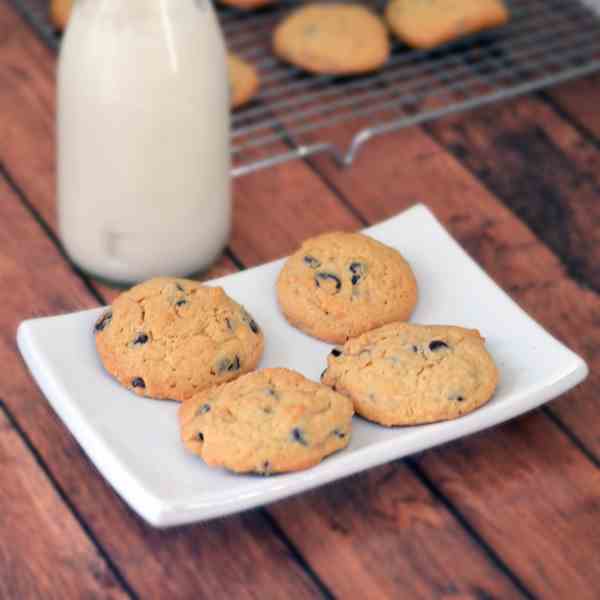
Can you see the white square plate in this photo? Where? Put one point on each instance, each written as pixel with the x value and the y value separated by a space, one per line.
pixel 135 442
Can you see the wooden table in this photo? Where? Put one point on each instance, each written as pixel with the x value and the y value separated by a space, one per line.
pixel 509 513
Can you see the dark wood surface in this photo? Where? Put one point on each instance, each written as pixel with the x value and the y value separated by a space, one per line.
pixel 510 513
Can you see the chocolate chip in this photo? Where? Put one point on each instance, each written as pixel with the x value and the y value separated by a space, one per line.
pixel 265 468
pixel 179 287
pixel 138 382
pixel 358 271
pixel 312 262
pixel 336 352
pixel 298 436
pixel 271 392
pixel 323 373
pixel 180 302
pixel 103 321
pixel 203 409
pixel 339 433
pixel 140 339
pixel 437 344
pixel 228 364
pixel 267 410
pixel 200 436
pixel 415 349
pixel 251 322
pixel 322 276
pixel 456 397
pixel 229 325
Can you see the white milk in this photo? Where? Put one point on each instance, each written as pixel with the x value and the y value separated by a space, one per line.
pixel 143 138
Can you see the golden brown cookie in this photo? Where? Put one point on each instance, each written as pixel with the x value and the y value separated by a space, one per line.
pixel 243 79
pixel 404 374
pixel 170 338
pixel 269 421
pixel 339 285
pixel 60 11
pixel 336 39
pixel 430 23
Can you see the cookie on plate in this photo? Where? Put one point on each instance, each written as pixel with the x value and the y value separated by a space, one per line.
pixel 243 80
pixel 170 338
pixel 60 10
pixel 403 374
pixel 339 285
pixel 430 23
pixel 335 39
pixel 269 421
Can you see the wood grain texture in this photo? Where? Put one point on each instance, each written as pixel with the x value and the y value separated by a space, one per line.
pixel 400 170
pixel 393 537
pixel 542 168
pixel 535 499
pixel 44 553
pixel 579 99
pixel 237 557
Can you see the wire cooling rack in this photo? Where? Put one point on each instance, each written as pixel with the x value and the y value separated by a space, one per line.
pixel 545 42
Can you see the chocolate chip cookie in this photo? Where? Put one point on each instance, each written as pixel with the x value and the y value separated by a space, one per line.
pixel 403 374
pixel 60 11
pixel 269 421
pixel 243 80
pixel 170 338
pixel 336 39
pixel 430 23
pixel 339 285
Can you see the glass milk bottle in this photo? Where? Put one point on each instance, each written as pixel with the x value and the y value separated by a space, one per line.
pixel 143 138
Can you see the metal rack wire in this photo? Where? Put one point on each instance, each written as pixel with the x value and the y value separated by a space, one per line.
pixel 546 42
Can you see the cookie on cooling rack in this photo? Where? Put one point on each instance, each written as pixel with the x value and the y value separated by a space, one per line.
pixel 334 39
pixel 170 338
pixel 243 79
pixel 430 23
pixel 60 11
pixel 269 421
pixel 404 374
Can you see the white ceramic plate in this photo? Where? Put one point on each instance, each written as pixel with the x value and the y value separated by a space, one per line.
pixel 135 443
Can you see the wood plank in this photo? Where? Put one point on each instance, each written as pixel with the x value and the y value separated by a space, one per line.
pixel 290 197
pixel 236 557
pixel 540 167
pixel 44 553
pixel 391 174
pixel 394 538
pixel 579 99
